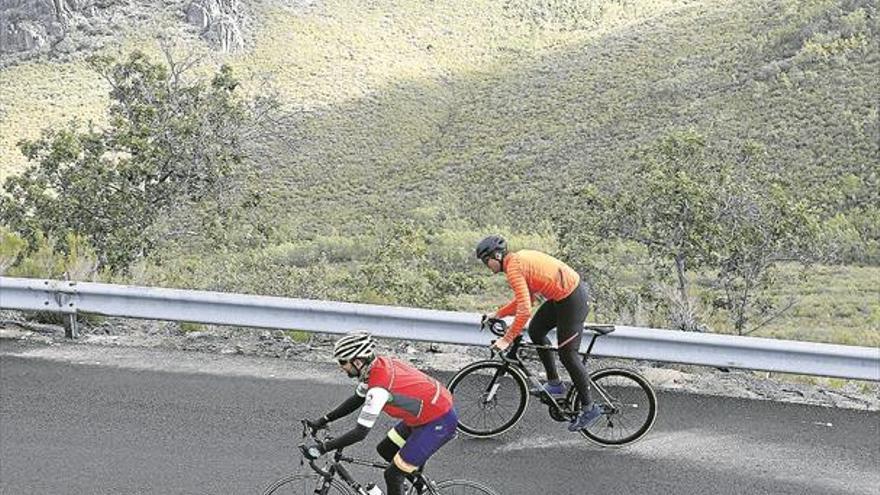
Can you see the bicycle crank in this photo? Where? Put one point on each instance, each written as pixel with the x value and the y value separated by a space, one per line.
pixel 560 414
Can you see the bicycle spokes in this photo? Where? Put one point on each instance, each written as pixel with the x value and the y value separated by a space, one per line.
pixel 629 407
pixel 489 397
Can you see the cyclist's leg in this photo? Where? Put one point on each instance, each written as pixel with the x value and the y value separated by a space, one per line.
pixel 422 443
pixel 394 480
pixel 393 441
pixel 390 446
pixel 541 324
pixel 572 313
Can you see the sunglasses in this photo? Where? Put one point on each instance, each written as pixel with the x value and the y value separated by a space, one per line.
pixel 343 362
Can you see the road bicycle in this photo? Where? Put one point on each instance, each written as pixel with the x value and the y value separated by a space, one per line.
pixel 333 478
pixel 491 395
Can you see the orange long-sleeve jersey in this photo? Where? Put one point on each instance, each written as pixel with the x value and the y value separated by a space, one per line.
pixel 533 273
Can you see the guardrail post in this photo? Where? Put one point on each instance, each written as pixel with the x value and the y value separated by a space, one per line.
pixel 71 331
pixel 66 301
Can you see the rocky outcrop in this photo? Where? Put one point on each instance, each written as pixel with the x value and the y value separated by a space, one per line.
pixel 66 26
pixel 219 22
pixel 29 25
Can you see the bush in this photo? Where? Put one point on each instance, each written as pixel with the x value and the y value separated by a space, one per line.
pixel 11 246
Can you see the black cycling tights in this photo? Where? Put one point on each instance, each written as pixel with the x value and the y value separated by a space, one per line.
pixel 394 479
pixel 393 475
pixel 568 317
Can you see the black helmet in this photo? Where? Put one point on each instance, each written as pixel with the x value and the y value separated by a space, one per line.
pixel 490 245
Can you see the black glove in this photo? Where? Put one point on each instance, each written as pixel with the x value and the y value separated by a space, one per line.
pixel 496 326
pixel 312 452
pixel 317 424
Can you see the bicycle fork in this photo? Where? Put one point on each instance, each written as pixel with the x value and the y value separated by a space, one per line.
pixel 489 396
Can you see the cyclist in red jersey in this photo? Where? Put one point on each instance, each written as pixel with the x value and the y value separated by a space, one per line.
pixel 531 274
pixel 424 406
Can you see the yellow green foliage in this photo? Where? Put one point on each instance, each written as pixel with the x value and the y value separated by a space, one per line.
pixel 467 117
pixel 74 260
pixel 10 247
pixel 39 94
pixel 190 327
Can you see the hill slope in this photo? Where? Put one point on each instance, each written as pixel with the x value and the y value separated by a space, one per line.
pixel 551 108
pixel 466 115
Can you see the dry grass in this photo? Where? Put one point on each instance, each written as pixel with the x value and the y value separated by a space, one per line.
pixel 39 95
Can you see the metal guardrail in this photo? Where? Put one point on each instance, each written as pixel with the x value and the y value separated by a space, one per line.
pixel 219 308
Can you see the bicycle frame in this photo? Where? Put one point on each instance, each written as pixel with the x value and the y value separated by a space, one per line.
pixel 336 468
pixel 511 358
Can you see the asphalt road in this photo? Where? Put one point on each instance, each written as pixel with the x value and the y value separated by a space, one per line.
pixel 74 426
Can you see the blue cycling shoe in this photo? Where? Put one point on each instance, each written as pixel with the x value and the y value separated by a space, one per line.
pixel 587 418
pixel 557 390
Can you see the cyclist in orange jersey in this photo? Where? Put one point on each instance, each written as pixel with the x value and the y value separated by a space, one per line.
pixel 531 274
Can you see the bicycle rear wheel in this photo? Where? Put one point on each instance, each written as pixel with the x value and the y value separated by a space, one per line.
pixel 490 398
pixel 629 404
pixel 457 487
pixel 306 484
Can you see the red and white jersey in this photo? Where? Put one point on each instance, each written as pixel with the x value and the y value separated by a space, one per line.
pixel 403 392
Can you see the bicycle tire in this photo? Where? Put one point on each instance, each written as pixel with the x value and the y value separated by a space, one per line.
pixel 305 484
pixel 471 384
pixel 633 403
pixel 457 487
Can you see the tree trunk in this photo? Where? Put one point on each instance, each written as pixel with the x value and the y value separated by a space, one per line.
pixel 682 282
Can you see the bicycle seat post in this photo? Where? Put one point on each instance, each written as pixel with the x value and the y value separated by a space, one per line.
pixel 597 330
pixel 590 347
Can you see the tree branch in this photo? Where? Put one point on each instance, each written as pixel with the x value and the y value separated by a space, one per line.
pixel 791 303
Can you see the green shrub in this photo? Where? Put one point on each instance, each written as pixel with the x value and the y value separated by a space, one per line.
pixel 42 262
pixel 190 327
pixel 299 335
pixel 11 245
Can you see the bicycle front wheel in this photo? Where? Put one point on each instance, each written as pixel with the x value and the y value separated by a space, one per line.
pixel 457 487
pixel 629 407
pixel 490 398
pixel 306 484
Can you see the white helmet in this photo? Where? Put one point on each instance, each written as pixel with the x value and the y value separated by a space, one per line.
pixel 356 345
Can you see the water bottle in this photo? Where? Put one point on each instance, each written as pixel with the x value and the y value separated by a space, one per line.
pixel 372 489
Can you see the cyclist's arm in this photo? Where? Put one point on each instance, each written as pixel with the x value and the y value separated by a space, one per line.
pixel 509 309
pixel 375 400
pixel 522 300
pixel 349 406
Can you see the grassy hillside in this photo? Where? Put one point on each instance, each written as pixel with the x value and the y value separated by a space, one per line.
pixel 36 95
pixel 552 108
pixel 408 95
pixel 422 125
pixel 836 304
